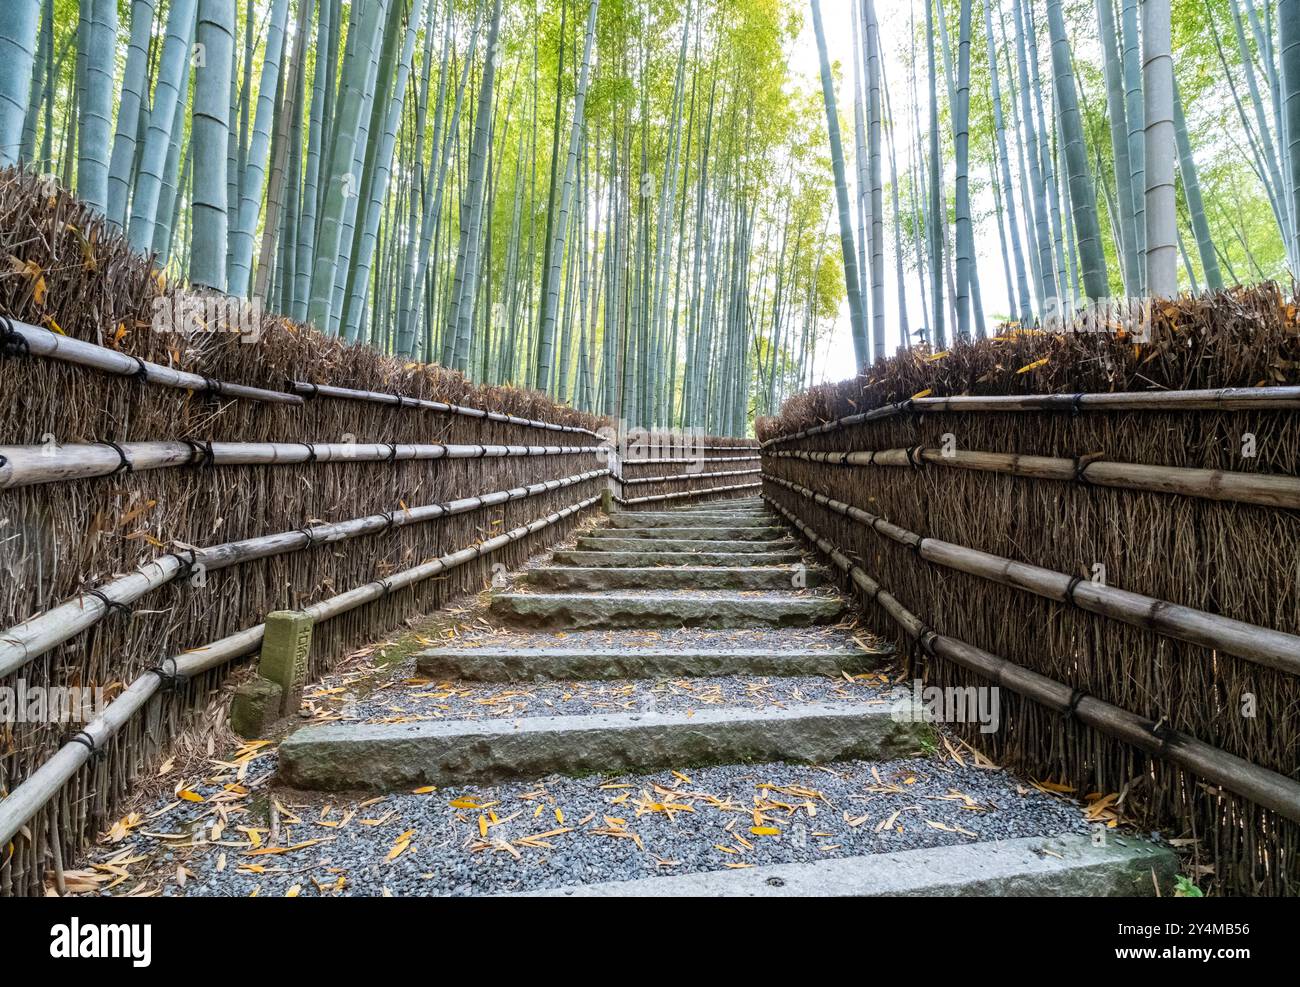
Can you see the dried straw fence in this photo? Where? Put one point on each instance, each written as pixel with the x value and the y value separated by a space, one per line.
pixel 661 469
pixel 1102 529
pixel 160 493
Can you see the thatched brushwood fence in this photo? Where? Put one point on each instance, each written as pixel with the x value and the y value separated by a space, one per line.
pixel 162 491
pixel 654 468
pixel 1115 543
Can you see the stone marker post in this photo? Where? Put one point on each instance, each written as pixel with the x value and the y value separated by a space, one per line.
pixel 286 647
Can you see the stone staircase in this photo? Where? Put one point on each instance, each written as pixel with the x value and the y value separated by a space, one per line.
pixel 721 588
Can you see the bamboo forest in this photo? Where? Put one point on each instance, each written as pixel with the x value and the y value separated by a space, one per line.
pixel 664 211
pixel 650 448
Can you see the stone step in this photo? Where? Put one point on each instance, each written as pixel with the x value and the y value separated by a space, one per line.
pixel 576 664
pixel 712 532
pixel 718 505
pixel 402 756
pixel 640 559
pixel 601 543
pixel 597 578
pixel 1058 866
pixel 612 611
pixel 663 519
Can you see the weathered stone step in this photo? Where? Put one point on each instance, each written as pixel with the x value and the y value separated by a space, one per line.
pixel 1058 866
pixel 602 543
pixel 712 532
pixel 597 578
pixel 397 756
pixel 659 519
pixel 579 611
pixel 574 664
pixel 639 559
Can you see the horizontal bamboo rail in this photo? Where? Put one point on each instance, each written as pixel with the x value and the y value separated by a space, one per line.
pixel 663 461
pixel 1267 489
pixel 1214 399
pixel 401 401
pixel 27 465
pixel 37 635
pixel 687 493
pixel 1262 645
pixel 680 477
pixel 28 798
pixel 19 337
pixel 1259 785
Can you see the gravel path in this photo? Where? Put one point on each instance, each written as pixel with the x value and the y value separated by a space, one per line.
pixel 487 839
pixel 817 638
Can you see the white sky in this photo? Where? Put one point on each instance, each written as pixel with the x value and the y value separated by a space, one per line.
pixel 835 361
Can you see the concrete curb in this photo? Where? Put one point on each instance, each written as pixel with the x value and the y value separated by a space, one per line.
pixel 597 578
pixel 624 544
pixel 597 557
pixel 396 756
pixel 568 664
pixel 1059 866
pixel 574 611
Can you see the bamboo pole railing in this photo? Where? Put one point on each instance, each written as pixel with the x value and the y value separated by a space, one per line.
pixel 37 635
pixel 687 493
pixel 19 337
pixel 1267 489
pixel 379 397
pixel 665 460
pixel 682 477
pixel 27 465
pixel 1261 645
pixel 1212 399
pixel 1257 784
pixel 26 800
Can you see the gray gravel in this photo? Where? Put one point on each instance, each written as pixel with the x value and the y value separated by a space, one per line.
pixel 611 829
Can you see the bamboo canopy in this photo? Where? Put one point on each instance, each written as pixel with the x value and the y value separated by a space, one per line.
pixel 1264 787
pixel 1211 399
pixel 1270 648
pixel 44 783
pixel 37 635
pixel 378 397
pixel 1265 489
pixel 27 465
pixel 18 336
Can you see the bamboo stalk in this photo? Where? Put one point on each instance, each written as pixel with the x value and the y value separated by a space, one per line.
pixel 687 493
pixel 1261 645
pixel 1269 490
pixel 43 342
pixel 378 397
pixel 1212 399
pixel 27 465
pixel 26 800
pixel 37 635
pixel 680 477
pixel 1257 784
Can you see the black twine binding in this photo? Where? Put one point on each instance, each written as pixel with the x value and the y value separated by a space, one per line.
pixel 141 372
pixel 187 565
pixel 1076 405
pixel 392 453
pixel 12 342
pixel 169 678
pixel 201 453
pixel 113 606
pixel 1080 467
pixel 1069 590
pixel 88 742
pixel 1076 696
pixel 123 464
pixel 311 451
